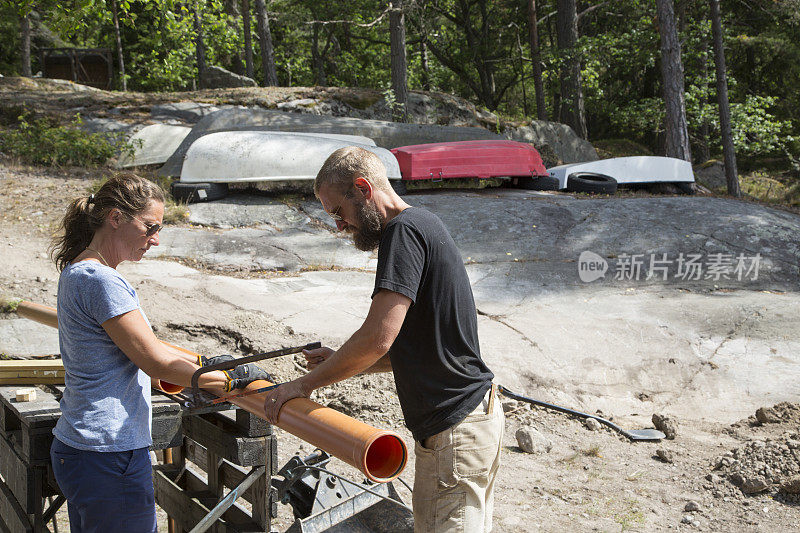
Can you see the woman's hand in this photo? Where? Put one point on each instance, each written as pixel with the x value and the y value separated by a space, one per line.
pixel 241 376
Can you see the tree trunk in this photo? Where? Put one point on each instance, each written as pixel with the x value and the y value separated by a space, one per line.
pixel 248 39
pixel 119 46
pixel 200 47
pixel 397 39
pixel 267 51
pixel 536 61
pixel 522 76
pixel 426 73
pixel 25 29
pixel 572 107
pixel 317 64
pixel 729 154
pixel 676 131
pixel 704 127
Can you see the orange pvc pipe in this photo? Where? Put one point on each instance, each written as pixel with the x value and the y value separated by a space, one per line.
pixel 38 313
pixel 46 315
pixel 379 454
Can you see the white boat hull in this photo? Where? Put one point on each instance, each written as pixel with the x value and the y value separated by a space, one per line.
pixel 251 156
pixel 628 170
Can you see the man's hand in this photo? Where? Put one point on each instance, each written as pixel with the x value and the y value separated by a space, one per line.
pixel 275 398
pixel 316 356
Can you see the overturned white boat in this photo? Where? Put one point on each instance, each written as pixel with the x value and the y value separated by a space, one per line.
pixel 629 170
pixel 153 144
pixel 252 156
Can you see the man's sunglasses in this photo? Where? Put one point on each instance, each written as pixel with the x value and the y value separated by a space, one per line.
pixel 152 229
pixel 335 213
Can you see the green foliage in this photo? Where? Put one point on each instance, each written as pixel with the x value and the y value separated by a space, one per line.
pixel 478 50
pixel 40 142
pixel 9 305
pixel 756 130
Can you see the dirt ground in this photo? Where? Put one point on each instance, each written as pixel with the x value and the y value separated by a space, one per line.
pixel 578 479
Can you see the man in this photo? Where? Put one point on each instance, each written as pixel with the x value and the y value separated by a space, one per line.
pixel 422 325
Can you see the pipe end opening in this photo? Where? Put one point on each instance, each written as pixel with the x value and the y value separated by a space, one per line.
pixel 386 457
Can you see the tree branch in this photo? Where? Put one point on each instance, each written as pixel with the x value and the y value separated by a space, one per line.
pixel 351 22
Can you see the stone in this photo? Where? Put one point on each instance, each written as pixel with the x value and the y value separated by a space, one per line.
pixel 592 424
pixel 666 425
pixel 737 479
pixel 218 78
pixel 766 415
pixel 665 455
pixel 190 112
pixel 510 405
pixel 486 118
pixel 691 506
pixel 107 125
pixel 531 441
pixel 791 485
pixel 754 485
pixel 711 174
pixel 297 105
pixel 687 519
pixel 560 137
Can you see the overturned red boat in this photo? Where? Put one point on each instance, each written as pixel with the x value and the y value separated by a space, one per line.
pixel 469 159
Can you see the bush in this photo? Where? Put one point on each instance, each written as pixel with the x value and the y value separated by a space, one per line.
pixel 40 142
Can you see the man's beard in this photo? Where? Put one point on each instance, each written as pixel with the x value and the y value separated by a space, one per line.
pixel 370 223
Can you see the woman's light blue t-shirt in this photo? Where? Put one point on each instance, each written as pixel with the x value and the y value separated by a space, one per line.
pixel 106 403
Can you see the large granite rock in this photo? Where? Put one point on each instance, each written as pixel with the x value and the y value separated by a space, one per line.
pixel 219 78
pixel 711 175
pixel 190 112
pixel 559 137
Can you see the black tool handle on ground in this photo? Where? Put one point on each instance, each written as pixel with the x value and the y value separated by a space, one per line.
pixel 244 360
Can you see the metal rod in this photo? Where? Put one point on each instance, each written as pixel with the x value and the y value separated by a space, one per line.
pixel 172 524
pixel 228 500
pixel 54 506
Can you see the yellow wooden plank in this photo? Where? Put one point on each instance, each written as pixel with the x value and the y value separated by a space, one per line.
pixel 33 381
pixel 31 364
pixel 36 374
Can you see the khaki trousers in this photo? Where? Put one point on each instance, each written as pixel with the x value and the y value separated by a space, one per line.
pixel 455 472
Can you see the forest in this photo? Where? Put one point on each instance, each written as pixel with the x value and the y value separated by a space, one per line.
pixel 597 66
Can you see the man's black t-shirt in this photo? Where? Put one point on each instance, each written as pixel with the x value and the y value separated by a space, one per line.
pixel 438 370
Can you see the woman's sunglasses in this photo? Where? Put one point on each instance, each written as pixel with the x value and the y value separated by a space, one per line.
pixel 152 229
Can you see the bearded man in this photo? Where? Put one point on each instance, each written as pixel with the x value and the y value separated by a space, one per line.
pixel 422 326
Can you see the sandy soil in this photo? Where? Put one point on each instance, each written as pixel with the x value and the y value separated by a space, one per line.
pixel 589 480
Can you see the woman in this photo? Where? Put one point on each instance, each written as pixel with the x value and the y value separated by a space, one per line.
pixel 100 453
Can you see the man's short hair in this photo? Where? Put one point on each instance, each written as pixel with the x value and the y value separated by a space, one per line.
pixel 346 164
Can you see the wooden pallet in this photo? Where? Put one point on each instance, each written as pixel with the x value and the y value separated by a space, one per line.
pixel 222 448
